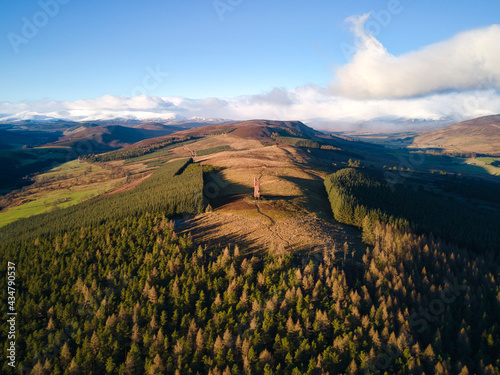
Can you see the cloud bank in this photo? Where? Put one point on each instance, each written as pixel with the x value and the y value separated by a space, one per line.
pixel 468 61
pixel 449 81
pixel 311 104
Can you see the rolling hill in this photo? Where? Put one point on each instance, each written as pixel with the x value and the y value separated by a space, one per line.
pixel 480 135
pixel 10 139
pixel 259 130
pixel 112 137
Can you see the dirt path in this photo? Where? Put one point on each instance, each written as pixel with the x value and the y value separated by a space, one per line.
pixel 272 227
pixel 128 185
pixel 263 214
pixel 193 153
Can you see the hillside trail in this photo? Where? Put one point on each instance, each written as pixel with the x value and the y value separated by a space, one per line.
pixel 193 153
pixel 272 226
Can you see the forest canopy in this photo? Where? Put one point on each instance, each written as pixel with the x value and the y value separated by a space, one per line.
pixel 109 287
pixel 360 199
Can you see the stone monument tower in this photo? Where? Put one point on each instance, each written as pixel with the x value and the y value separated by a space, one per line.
pixel 256 188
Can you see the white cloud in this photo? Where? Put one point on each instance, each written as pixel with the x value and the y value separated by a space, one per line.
pixel 470 60
pixel 310 104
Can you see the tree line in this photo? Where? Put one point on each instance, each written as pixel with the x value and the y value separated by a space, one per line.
pixel 128 153
pixel 173 189
pixel 360 199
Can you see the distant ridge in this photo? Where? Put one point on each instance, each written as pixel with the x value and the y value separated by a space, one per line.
pixel 260 130
pixel 111 137
pixel 480 135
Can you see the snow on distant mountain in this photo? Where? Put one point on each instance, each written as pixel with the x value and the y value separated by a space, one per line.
pixel 86 117
pixel 137 118
pixel 26 116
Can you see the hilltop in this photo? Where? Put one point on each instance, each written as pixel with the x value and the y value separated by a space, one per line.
pixel 261 130
pixel 293 215
pixel 480 135
pixel 111 137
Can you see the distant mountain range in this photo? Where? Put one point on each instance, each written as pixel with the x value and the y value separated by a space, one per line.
pixel 102 135
pixel 26 120
pixel 384 124
pixel 110 137
pixel 480 135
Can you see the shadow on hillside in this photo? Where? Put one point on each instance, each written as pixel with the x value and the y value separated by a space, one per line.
pixel 210 236
pixel 266 197
pixel 20 165
pixel 315 198
pixel 219 191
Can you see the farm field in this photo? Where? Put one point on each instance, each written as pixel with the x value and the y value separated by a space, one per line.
pixel 63 186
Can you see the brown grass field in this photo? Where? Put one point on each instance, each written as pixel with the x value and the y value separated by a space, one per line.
pixel 293 215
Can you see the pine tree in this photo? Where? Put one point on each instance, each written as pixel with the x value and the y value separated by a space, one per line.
pixel 200 341
pixel 136 333
pixel 153 296
pixel 65 355
pixel 94 344
pixel 157 367
pixel 73 367
pixel 132 360
pixel 110 365
pixel 37 369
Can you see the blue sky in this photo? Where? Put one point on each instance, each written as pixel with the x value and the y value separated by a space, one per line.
pixel 205 48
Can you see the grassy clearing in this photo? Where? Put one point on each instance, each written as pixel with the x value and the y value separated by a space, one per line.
pixel 46 202
pixel 67 170
pixel 158 162
pixel 487 160
pixel 68 184
pixel 487 163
